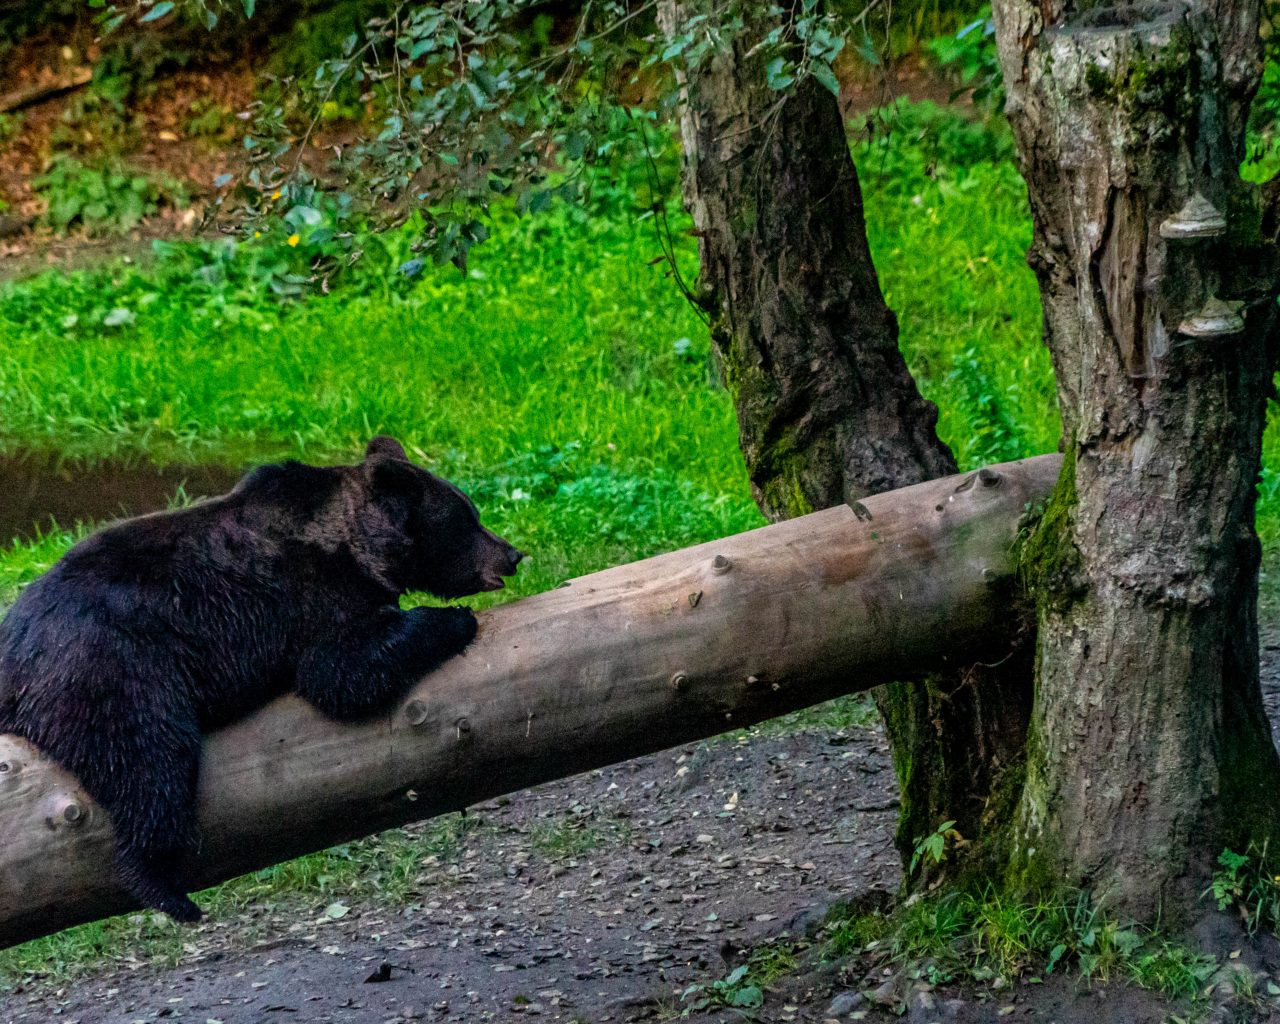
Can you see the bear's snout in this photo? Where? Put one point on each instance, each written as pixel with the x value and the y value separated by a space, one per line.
pixel 499 561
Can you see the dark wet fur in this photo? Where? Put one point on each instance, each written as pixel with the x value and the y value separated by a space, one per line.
pixel 157 629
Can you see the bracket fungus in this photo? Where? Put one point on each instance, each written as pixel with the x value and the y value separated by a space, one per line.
pixel 1198 218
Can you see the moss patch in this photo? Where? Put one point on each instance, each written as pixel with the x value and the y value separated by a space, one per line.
pixel 1047 560
pixel 783 492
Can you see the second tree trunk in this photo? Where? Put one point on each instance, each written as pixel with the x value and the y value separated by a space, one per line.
pixel 827 409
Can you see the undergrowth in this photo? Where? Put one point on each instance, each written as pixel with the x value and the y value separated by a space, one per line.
pixel 103 198
pixel 987 938
pixel 744 987
pixel 1248 884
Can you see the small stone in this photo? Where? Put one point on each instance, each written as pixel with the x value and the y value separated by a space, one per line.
pixel 886 994
pixel 845 1003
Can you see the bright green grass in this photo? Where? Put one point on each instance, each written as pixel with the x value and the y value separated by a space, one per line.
pixel 561 333
pixel 949 228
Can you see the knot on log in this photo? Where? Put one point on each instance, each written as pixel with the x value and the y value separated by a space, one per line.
pixel 416 713
pixel 67 811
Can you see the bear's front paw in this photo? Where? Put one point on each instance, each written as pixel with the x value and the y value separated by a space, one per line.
pixel 451 628
pixel 460 625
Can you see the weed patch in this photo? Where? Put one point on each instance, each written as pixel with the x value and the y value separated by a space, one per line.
pixel 985 936
pixel 105 199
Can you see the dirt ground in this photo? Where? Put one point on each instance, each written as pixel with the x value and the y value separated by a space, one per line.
pixel 701 853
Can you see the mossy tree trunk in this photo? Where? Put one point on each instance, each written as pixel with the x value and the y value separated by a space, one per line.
pixel 827 409
pixel 1149 749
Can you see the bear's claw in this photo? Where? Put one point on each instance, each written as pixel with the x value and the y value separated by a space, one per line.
pixel 181 908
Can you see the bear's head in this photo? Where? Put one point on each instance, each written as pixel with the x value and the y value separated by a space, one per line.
pixel 419 532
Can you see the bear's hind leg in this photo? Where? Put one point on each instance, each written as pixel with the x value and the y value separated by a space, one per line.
pixel 151 799
pixel 149 876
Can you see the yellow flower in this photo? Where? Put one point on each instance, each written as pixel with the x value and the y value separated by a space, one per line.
pixel 294 239
pixel 257 234
pixel 275 195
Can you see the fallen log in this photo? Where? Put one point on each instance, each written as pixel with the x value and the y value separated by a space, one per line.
pixel 609 666
pixel 21 99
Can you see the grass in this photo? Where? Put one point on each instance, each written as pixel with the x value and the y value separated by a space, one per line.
pixel 562 380
pixel 564 838
pixel 983 936
pixel 396 868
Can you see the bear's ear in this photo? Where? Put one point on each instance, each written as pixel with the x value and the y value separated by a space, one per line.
pixel 391 478
pixel 383 447
pixel 387 468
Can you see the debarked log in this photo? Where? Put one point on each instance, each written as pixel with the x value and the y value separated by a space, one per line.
pixel 607 667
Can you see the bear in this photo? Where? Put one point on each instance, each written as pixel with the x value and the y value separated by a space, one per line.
pixel 158 629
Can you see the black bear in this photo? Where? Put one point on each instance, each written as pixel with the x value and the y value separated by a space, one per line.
pixel 159 628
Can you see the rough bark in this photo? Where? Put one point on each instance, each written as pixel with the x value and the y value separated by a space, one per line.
pixel 611 666
pixel 1149 749
pixel 827 409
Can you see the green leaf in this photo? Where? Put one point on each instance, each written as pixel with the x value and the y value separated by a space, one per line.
pixel 826 78
pixel 157 12
pixel 776 74
pixel 1127 941
pixel 748 995
pixel 304 216
pixel 248 7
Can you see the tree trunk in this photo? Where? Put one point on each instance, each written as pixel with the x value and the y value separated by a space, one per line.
pixel 611 666
pixel 1150 750
pixel 827 410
